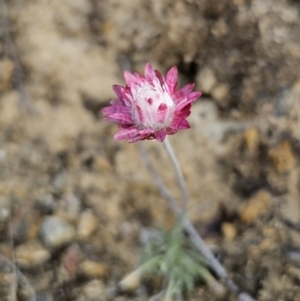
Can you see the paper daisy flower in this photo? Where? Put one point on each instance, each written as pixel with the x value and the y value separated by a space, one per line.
pixel 150 106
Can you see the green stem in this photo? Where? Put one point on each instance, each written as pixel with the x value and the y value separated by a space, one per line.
pixel 170 289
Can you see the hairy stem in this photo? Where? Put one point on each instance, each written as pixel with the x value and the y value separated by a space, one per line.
pixel 197 240
pixel 178 172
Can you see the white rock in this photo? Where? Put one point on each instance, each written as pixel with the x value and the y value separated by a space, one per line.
pixel 206 79
pixel 56 232
pixel 88 223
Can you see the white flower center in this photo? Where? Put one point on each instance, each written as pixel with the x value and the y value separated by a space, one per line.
pixel 149 97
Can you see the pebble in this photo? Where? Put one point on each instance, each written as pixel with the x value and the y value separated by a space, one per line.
pixel 8 286
pixel 220 28
pixel 93 269
pixel 87 225
pixel 94 290
pixel 256 206
pixel 69 207
pixel 251 137
pixel 101 163
pixel 25 224
pixel 131 282
pixel 206 79
pixel 220 93
pixel 44 296
pixel 229 231
pixel 71 259
pixel 56 232
pixel 31 254
pixel 47 204
pixel 285 101
pixel 282 156
pixel 60 181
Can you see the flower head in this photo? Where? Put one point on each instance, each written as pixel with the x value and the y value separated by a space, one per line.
pixel 150 106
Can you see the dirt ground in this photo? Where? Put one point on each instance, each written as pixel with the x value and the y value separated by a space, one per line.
pixel 76 206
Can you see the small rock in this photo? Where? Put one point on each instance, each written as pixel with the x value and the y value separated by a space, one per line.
pixel 8 286
pixel 60 181
pixel 204 111
pixel 220 93
pixel 71 259
pixel 285 101
pixel 229 231
pixel 44 296
pixel 69 207
pixel 251 137
pixel 256 206
pixel 132 281
pixel 206 80
pixel 25 224
pixel 47 204
pixel 56 232
pixel 31 254
pixel 63 275
pixel 293 255
pixel 94 290
pixel 282 156
pixel 92 269
pixel 101 163
pixel 220 28
pixel 88 223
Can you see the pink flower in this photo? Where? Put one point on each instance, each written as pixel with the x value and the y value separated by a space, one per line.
pixel 150 106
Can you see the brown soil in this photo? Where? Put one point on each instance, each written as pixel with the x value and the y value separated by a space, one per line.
pixel 58 61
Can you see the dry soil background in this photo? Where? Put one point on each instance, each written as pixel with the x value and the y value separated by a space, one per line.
pixel 79 205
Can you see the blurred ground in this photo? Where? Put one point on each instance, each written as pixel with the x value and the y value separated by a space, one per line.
pixel 78 204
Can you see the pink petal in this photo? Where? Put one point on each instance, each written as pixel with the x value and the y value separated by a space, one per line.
pixel 171 131
pixel 160 77
pixel 160 135
pixel 120 118
pixel 123 94
pixel 146 132
pixel 139 79
pixel 162 112
pixel 171 79
pixel 194 95
pixel 129 78
pixel 175 122
pixel 116 102
pixel 185 112
pixel 149 73
pixel 187 100
pixel 126 133
pixel 125 126
pixel 135 139
pixel 184 91
pixel 183 124
pixel 119 90
pixel 115 109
